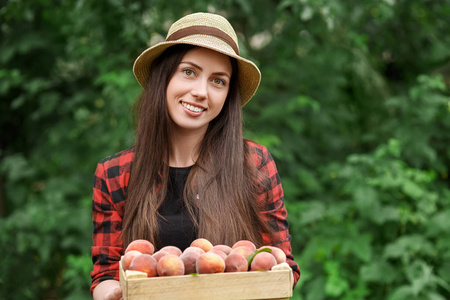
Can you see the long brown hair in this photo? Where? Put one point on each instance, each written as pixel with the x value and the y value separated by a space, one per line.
pixel 220 193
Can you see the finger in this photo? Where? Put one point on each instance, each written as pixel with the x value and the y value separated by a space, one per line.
pixel 114 294
pixel 117 293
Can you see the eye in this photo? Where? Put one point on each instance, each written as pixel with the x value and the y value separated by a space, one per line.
pixel 188 72
pixel 218 81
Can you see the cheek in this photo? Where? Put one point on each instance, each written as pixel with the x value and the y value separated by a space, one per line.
pixel 169 90
pixel 173 87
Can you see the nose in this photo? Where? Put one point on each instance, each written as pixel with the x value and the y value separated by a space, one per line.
pixel 200 89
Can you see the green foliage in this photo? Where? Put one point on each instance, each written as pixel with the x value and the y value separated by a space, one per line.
pixel 353 105
pixel 383 230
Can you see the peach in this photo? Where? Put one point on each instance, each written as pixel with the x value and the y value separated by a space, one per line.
pixel 236 263
pixel 143 246
pixel 218 252
pixel 189 259
pixel 194 249
pixel 202 243
pixel 144 263
pixel 245 243
pixel 263 261
pixel 158 254
pixel 170 265
pixel 279 254
pixel 243 250
pixel 172 250
pixel 209 263
pixel 128 257
pixel 225 248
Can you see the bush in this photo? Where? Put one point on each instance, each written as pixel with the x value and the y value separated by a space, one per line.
pixel 353 105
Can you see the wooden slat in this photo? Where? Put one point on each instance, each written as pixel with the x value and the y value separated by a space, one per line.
pixel 123 281
pixel 243 285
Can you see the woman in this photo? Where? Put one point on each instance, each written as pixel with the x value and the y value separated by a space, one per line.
pixel 190 173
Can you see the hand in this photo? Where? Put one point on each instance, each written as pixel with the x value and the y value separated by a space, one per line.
pixel 115 294
pixel 108 290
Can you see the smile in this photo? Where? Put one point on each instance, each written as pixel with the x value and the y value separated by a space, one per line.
pixel 192 108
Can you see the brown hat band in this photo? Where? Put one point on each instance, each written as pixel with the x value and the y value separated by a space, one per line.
pixel 181 33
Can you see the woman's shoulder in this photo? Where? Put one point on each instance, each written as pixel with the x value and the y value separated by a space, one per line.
pixel 119 159
pixel 260 153
pixel 256 146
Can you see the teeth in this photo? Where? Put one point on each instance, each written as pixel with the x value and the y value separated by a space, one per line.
pixel 192 108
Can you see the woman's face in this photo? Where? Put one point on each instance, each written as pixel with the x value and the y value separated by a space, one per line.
pixel 198 89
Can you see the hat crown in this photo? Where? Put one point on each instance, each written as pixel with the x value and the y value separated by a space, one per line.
pixel 198 20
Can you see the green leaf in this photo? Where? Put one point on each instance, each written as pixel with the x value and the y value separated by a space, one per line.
pixel 402 293
pixel 378 271
pixel 335 285
pixel 359 245
pixel 439 224
pixel 434 296
pixel 316 289
pixel 251 256
pixel 313 211
pixel 412 189
pixel 407 246
pixel 16 167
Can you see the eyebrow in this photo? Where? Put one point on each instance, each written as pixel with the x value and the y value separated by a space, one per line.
pixel 201 69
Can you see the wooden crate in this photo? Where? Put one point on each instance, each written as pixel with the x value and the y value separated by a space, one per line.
pixel 275 284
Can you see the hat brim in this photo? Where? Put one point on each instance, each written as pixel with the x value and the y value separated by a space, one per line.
pixel 249 74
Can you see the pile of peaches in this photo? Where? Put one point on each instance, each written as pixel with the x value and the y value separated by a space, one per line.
pixel 201 257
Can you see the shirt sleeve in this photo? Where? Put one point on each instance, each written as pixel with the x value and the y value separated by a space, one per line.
pixel 274 213
pixel 107 246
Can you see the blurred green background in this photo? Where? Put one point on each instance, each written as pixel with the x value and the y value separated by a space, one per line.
pixel 354 105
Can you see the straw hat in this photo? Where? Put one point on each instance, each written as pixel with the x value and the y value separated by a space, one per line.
pixel 206 30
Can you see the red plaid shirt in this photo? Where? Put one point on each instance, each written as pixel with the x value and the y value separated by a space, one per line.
pixel 110 185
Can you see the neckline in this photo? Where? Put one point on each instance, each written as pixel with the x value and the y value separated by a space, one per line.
pixel 180 168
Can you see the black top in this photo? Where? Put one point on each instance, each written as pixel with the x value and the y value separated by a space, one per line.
pixel 177 228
